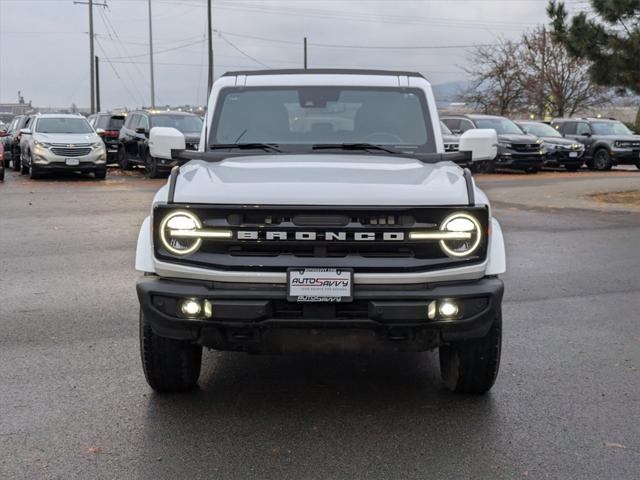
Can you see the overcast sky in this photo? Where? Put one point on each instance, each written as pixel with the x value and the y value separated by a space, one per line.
pixel 44 48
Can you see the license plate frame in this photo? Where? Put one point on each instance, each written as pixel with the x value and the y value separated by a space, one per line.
pixel 573 154
pixel 71 162
pixel 309 291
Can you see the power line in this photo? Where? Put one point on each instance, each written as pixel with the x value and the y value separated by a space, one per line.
pixel 232 45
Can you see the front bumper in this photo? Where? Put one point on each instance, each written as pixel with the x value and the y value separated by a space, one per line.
pixel 562 158
pixel 519 160
pixel 46 160
pixel 258 317
pixel 625 156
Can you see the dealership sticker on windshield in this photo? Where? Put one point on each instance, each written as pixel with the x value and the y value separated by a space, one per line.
pixel 320 285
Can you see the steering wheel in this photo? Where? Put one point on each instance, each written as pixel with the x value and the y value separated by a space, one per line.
pixel 382 136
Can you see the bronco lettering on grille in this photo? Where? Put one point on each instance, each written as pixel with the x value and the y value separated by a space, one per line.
pixel 329 236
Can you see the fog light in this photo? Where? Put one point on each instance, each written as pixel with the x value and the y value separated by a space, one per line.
pixel 431 310
pixel 190 307
pixel 448 309
pixel 208 309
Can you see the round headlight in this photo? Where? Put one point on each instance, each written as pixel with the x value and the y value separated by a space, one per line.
pixel 461 223
pixel 174 230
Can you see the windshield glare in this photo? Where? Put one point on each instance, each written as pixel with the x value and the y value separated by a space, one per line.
pixel 540 130
pixel 182 123
pixel 306 116
pixel 610 128
pixel 502 126
pixel 63 125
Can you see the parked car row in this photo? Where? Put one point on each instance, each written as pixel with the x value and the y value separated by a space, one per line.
pixel 531 145
pixel 41 143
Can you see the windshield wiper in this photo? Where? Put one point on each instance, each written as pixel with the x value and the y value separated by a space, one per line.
pixel 353 146
pixel 267 147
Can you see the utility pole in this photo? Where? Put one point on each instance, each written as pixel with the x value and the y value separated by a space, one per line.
pixel 91 51
pixel 210 43
pixel 153 88
pixel 305 53
pixel 97 83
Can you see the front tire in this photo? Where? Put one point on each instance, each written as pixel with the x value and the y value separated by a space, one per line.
pixel 123 159
pixel 169 365
pixel 532 170
pixel 100 174
pixel 151 166
pixel 601 160
pixel 472 366
pixel 24 168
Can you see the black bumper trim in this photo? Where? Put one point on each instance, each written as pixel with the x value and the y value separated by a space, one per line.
pixel 250 308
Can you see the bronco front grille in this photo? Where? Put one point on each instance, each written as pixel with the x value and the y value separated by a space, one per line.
pixel 361 238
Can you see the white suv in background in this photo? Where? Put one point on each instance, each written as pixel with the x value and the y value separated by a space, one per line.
pixel 62 142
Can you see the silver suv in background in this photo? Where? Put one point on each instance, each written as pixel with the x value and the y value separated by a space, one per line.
pixel 62 142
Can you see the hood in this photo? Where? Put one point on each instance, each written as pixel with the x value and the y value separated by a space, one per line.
pixel 517 138
pixel 627 138
pixel 67 137
pixel 321 179
pixel 558 141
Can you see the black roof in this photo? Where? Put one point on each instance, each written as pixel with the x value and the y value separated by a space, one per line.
pixel 323 71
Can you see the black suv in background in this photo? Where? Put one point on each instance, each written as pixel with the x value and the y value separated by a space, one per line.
pixel 516 149
pixel 133 148
pixel 561 152
pixel 108 126
pixel 11 141
pixel 607 142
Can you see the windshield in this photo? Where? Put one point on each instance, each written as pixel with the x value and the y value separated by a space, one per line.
pixel 108 122
pixel 307 116
pixel 183 123
pixel 63 125
pixel 540 130
pixel 610 128
pixel 445 129
pixel 502 126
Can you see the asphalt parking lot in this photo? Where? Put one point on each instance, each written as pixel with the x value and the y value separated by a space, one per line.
pixel 74 403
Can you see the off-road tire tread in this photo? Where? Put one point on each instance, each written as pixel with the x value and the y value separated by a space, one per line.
pixel 169 365
pixel 472 366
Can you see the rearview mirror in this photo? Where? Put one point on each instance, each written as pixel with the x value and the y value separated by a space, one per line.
pixel 164 139
pixel 25 131
pixel 481 142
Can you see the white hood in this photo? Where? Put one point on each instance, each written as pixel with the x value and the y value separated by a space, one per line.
pixel 320 179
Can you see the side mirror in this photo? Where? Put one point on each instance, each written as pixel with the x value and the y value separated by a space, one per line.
pixel 25 131
pixel 586 134
pixel 481 142
pixel 141 130
pixel 100 131
pixel 164 139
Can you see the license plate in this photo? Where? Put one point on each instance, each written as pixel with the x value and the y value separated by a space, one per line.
pixel 573 154
pixel 320 285
pixel 73 162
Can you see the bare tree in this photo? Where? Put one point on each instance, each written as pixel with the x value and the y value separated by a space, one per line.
pixel 498 84
pixel 554 81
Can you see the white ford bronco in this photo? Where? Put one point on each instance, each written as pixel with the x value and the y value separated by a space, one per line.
pixel 321 214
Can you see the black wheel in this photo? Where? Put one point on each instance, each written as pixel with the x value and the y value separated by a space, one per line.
pixel 151 165
pixel 638 164
pixel 6 160
pixel 34 174
pixel 100 174
pixel 2 173
pixel 169 365
pixel 573 168
pixel 24 167
pixel 15 159
pixel 123 159
pixel 601 160
pixel 472 366
pixel 483 167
